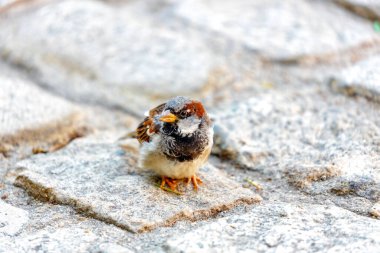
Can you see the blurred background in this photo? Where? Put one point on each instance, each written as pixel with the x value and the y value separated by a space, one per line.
pixel 130 55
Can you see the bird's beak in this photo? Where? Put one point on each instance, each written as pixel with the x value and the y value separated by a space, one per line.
pixel 169 118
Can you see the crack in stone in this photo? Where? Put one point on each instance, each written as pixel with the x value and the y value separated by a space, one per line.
pixel 352 54
pixel 48 138
pixel 201 214
pixel 304 176
pixel 363 11
pixel 31 74
pixel 46 194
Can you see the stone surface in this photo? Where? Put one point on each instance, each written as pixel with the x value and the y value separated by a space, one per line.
pixel 282 30
pixel 69 239
pixel 34 118
pixel 319 146
pixel 54 228
pixel 5 2
pixel 51 241
pixel 361 79
pixel 281 227
pixel 367 8
pixel 131 64
pixel 12 219
pixel 110 248
pixel 123 196
pixel 23 106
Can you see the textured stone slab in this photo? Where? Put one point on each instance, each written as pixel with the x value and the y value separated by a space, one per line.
pixel 100 180
pixel 367 8
pixel 68 239
pixel 53 228
pixel 349 175
pixel 361 79
pixel 318 146
pixel 277 29
pixel 109 248
pixel 122 61
pixel 23 106
pixel 12 219
pixel 31 117
pixel 284 227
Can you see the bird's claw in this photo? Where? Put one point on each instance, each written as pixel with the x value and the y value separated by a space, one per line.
pixel 195 180
pixel 172 183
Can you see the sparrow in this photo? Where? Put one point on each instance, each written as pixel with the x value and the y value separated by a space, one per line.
pixel 176 138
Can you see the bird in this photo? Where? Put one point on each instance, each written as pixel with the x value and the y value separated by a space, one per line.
pixel 175 138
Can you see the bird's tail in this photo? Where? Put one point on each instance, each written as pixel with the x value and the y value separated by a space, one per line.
pixel 130 135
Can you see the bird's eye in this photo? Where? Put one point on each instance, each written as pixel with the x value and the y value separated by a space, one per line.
pixel 183 114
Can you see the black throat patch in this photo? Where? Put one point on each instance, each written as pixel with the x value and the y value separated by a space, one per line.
pixel 183 148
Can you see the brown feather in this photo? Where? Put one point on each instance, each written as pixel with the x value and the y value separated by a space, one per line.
pixel 148 125
pixel 156 110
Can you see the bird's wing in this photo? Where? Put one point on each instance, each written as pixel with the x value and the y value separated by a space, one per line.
pixel 147 127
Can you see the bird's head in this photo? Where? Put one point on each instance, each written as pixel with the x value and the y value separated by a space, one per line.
pixel 183 116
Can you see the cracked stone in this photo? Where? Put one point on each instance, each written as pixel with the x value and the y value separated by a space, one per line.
pixel 122 62
pixel 49 225
pixel 320 147
pixel 367 8
pixel 32 118
pixel 100 180
pixel 361 79
pixel 291 26
pixel 349 175
pixel 310 228
pixel 12 219
pixel 304 175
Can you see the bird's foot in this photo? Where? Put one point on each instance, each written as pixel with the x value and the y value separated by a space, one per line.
pixel 195 180
pixel 172 183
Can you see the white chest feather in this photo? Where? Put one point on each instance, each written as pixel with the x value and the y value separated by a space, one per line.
pixel 188 126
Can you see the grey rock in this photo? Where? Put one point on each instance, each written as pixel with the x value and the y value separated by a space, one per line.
pixel 283 227
pixel 349 175
pixel 53 228
pixel 319 146
pixel 61 240
pixel 52 241
pixel 12 219
pixel 361 79
pixel 280 30
pixel 25 106
pixel 109 248
pixel 123 61
pixel 68 239
pixel 367 8
pixel 30 117
pixel 100 180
